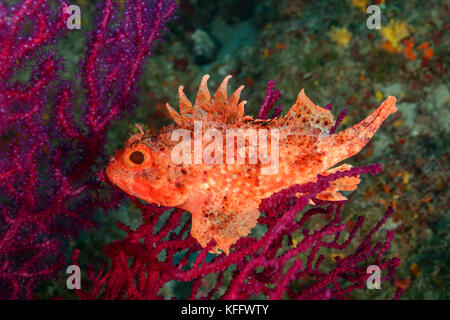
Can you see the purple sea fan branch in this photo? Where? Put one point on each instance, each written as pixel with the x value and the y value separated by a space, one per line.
pixel 115 55
pixel 47 186
pixel 14 46
pixel 114 60
pixel 272 96
pixel 339 119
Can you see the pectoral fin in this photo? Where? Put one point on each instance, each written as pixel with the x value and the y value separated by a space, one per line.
pixel 224 226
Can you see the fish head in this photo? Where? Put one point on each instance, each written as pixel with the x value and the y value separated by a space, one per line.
pixel 144 169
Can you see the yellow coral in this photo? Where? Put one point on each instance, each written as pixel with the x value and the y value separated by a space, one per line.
pixel 394 33
pixel 379 95
pixel 333 255
pixel 362 4
pixel 340 35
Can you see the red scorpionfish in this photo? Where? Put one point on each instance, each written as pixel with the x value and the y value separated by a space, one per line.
pixel 223 196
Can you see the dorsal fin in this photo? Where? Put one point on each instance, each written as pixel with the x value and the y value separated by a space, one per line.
pixel 261 123
pixel 305 116
pixel 218 109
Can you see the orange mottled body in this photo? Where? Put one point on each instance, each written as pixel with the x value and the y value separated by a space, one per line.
pixel 224 198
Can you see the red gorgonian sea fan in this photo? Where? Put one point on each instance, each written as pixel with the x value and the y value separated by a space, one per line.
pixel 282 258
pixel 48 188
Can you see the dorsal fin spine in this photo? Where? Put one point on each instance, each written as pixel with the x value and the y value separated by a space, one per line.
pixel 217 109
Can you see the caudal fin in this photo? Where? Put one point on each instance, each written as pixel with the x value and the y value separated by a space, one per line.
pixel 342 145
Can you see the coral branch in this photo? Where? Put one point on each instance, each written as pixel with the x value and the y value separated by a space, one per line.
pixel 269 101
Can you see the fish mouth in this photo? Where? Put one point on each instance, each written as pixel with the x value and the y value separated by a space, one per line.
pixel 109 173
pixel 113 171
pixel 121 178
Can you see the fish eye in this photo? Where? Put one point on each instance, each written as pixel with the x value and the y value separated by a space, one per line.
pixel 137 157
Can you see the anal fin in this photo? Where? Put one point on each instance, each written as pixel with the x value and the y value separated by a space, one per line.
pixel 341 184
